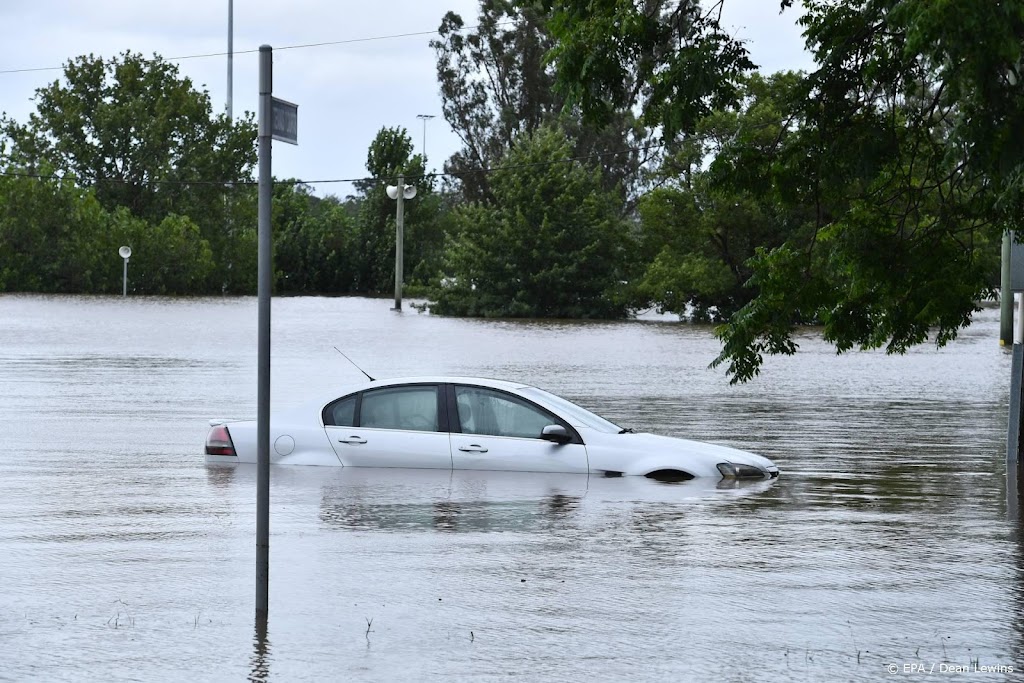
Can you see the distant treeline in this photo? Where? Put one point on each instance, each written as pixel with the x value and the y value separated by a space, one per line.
pixel 615 157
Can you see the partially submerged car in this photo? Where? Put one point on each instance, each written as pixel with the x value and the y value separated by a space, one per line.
pixel 473 424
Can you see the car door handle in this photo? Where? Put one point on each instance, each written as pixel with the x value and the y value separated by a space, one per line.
pixel 473 448
pixel 352 439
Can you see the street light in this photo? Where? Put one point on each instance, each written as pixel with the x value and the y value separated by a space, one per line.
pixel 401 192
pixel 424 118
pixel 125 252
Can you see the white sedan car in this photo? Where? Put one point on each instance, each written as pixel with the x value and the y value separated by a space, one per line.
pixel 473 424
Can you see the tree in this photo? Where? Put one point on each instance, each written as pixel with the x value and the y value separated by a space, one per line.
pixel 143 138
pixel 723 197
pixel 169 257
pixel 903 116
pixel 909 154
pixel 313 239
pixel 496 86
pixel 55 237
pixel 51 234
pixel 671 58
pixel 550 246
pixel 389 155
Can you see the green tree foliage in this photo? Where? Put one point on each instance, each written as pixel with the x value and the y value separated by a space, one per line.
pixel 55 237
pixel 496 86
pixel 723 198
pixel 389 155
pixel 672 58
pixel 169 257
pixel 904 160
pixel 313 242
pixel 143 138
pixel 904 117
pixel 51 237
pixel 550 246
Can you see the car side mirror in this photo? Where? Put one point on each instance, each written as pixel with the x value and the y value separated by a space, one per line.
pixel 556 433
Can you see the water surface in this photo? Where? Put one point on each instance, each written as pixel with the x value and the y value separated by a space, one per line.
pixel 886 541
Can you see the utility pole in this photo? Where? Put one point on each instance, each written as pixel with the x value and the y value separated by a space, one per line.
pixel 231 57
pixel 424 118
pixel 263 282
pixel 401 192
pixel 1006 293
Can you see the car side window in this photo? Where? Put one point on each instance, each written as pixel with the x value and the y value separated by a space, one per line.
pixel 341 413
pixel 413 408
pixel 494 413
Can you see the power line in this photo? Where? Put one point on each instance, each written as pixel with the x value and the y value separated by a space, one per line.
pixel 347 41
pixel 379 179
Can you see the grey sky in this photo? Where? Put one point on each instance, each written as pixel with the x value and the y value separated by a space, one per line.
pixel 345 92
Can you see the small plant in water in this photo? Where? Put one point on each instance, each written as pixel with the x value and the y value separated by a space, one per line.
pixel 126 615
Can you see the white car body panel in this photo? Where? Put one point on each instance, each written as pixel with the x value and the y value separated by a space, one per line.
pixel 360 447
pixel 512 454
pixel 299 437
pixel 642 453
pixel 311 444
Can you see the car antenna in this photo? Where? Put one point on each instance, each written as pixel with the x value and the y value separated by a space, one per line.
pixel 353 363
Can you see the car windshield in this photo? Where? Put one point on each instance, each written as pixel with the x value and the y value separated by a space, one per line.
pixel 579 417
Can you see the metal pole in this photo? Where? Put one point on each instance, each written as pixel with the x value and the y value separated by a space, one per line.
pixel 124 280
pixel 398 243
pixel 424 118
pixel 1005 295
pixel 1016 388
pixel 263 356
pixel 231 56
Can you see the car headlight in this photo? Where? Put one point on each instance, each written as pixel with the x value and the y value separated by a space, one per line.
pixel 734 470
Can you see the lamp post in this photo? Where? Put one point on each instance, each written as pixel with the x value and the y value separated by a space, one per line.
pixel 401 192
pixel 424 118
pixel 231 57
pixel 125 252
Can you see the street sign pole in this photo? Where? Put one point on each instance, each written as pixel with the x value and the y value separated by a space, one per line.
pixel 264 269
pixel 278 120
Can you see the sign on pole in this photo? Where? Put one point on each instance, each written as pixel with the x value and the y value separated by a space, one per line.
pixel 278 120
pixel 284 124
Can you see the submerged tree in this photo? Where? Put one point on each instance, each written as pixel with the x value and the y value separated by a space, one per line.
pixel 142 137
pixel 550 246
pixel 723 197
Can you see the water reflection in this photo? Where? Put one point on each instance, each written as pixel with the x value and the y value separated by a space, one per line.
pixel 467 501
pixel 478 516
pixel 259 666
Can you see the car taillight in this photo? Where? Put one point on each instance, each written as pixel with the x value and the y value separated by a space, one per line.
pixel 218 441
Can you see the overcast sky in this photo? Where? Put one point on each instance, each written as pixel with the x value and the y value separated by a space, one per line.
pixel 345 92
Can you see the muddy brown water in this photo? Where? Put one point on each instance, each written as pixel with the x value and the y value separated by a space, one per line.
pixel 886 542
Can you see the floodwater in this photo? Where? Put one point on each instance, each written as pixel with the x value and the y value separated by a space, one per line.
pixel 887 543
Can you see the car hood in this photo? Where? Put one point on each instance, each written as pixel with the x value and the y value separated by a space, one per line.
pixel 650 451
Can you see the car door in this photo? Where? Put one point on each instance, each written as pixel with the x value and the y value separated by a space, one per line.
pixel 399 426
pixel 496 430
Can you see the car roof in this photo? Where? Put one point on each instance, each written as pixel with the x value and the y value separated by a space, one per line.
pixel 349 389
pixel 438 379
